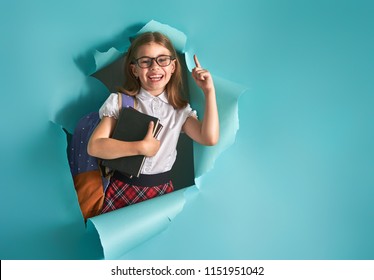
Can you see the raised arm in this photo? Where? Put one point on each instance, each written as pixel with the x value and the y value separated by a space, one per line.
pixel 205 132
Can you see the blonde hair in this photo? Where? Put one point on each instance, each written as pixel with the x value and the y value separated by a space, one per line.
pixel 175 85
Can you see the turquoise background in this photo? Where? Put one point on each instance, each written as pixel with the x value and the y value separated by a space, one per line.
pixel 296 184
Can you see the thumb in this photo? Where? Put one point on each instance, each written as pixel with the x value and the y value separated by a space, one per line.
pixel 150 129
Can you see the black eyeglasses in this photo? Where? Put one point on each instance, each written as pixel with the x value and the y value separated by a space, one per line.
pixel 146 61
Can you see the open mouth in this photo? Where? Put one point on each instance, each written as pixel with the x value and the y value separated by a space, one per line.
pixel 155 78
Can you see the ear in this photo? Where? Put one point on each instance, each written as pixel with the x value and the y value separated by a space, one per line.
pixel 133 69
pixel 173 66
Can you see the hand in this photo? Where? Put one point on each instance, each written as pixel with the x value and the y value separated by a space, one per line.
pixel 202 77
pixel 150 145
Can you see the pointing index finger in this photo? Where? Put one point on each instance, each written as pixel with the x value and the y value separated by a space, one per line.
pixel 197 63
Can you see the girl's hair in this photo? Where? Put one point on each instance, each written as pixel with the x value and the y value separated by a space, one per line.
pixel 132 84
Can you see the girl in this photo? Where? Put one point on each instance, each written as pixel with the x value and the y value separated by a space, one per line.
pixel 154 76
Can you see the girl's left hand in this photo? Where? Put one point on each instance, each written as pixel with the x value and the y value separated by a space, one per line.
pixel 202 77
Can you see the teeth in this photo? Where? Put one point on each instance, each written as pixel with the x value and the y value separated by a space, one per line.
pixel 155 77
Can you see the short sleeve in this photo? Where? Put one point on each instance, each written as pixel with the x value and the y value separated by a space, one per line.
pixel 190 112
pixel 110 107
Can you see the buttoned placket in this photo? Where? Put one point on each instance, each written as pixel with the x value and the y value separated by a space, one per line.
pixel 156 106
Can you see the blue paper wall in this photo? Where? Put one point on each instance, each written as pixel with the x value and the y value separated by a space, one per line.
pixel 296 184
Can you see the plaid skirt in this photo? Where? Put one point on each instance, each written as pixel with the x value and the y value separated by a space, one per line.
pixel 120 194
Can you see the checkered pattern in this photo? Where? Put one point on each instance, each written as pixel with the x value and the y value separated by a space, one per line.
pixel 120 194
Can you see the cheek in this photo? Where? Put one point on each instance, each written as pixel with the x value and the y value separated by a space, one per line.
pixel 141 74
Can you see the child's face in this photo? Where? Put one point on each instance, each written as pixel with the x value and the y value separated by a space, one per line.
pixel 155 78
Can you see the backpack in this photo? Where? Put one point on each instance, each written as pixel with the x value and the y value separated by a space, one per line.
pixel 90 178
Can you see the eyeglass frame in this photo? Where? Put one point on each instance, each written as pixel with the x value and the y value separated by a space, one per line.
pixel 136 61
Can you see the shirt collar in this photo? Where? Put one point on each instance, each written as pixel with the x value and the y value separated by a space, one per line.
pixel 145 95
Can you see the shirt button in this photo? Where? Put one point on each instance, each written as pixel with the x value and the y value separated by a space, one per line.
pixel 154 106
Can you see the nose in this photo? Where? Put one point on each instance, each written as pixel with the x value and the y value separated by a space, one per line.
pixel 154 63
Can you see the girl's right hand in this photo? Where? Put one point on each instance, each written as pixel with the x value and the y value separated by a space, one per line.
pixel 150 145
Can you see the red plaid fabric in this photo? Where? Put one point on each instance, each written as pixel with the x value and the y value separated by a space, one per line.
pixel 120 194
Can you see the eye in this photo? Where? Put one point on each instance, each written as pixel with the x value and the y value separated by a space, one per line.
pixel 164 60
pixel 144 61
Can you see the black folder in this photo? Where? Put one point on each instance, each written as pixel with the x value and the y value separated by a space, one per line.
pixel 132 125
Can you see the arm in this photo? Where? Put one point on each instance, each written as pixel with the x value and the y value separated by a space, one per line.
pixel 102 146
pixel 205 132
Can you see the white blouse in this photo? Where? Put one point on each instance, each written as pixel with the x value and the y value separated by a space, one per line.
pixel 171 119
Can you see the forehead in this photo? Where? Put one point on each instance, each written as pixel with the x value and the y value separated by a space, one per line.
pixel 152 49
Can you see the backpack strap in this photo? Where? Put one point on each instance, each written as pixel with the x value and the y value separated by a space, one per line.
pixel 125 100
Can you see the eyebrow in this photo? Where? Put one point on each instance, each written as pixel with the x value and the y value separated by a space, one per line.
pixel 155 56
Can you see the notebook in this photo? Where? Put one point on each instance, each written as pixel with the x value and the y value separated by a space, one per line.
pixel 132 125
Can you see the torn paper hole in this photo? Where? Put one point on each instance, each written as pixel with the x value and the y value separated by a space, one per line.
pixel 123 229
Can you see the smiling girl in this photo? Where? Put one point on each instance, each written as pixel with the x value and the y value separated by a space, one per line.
pixel 153 75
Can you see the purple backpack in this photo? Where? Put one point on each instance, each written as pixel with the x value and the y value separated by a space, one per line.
pixel 79 160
